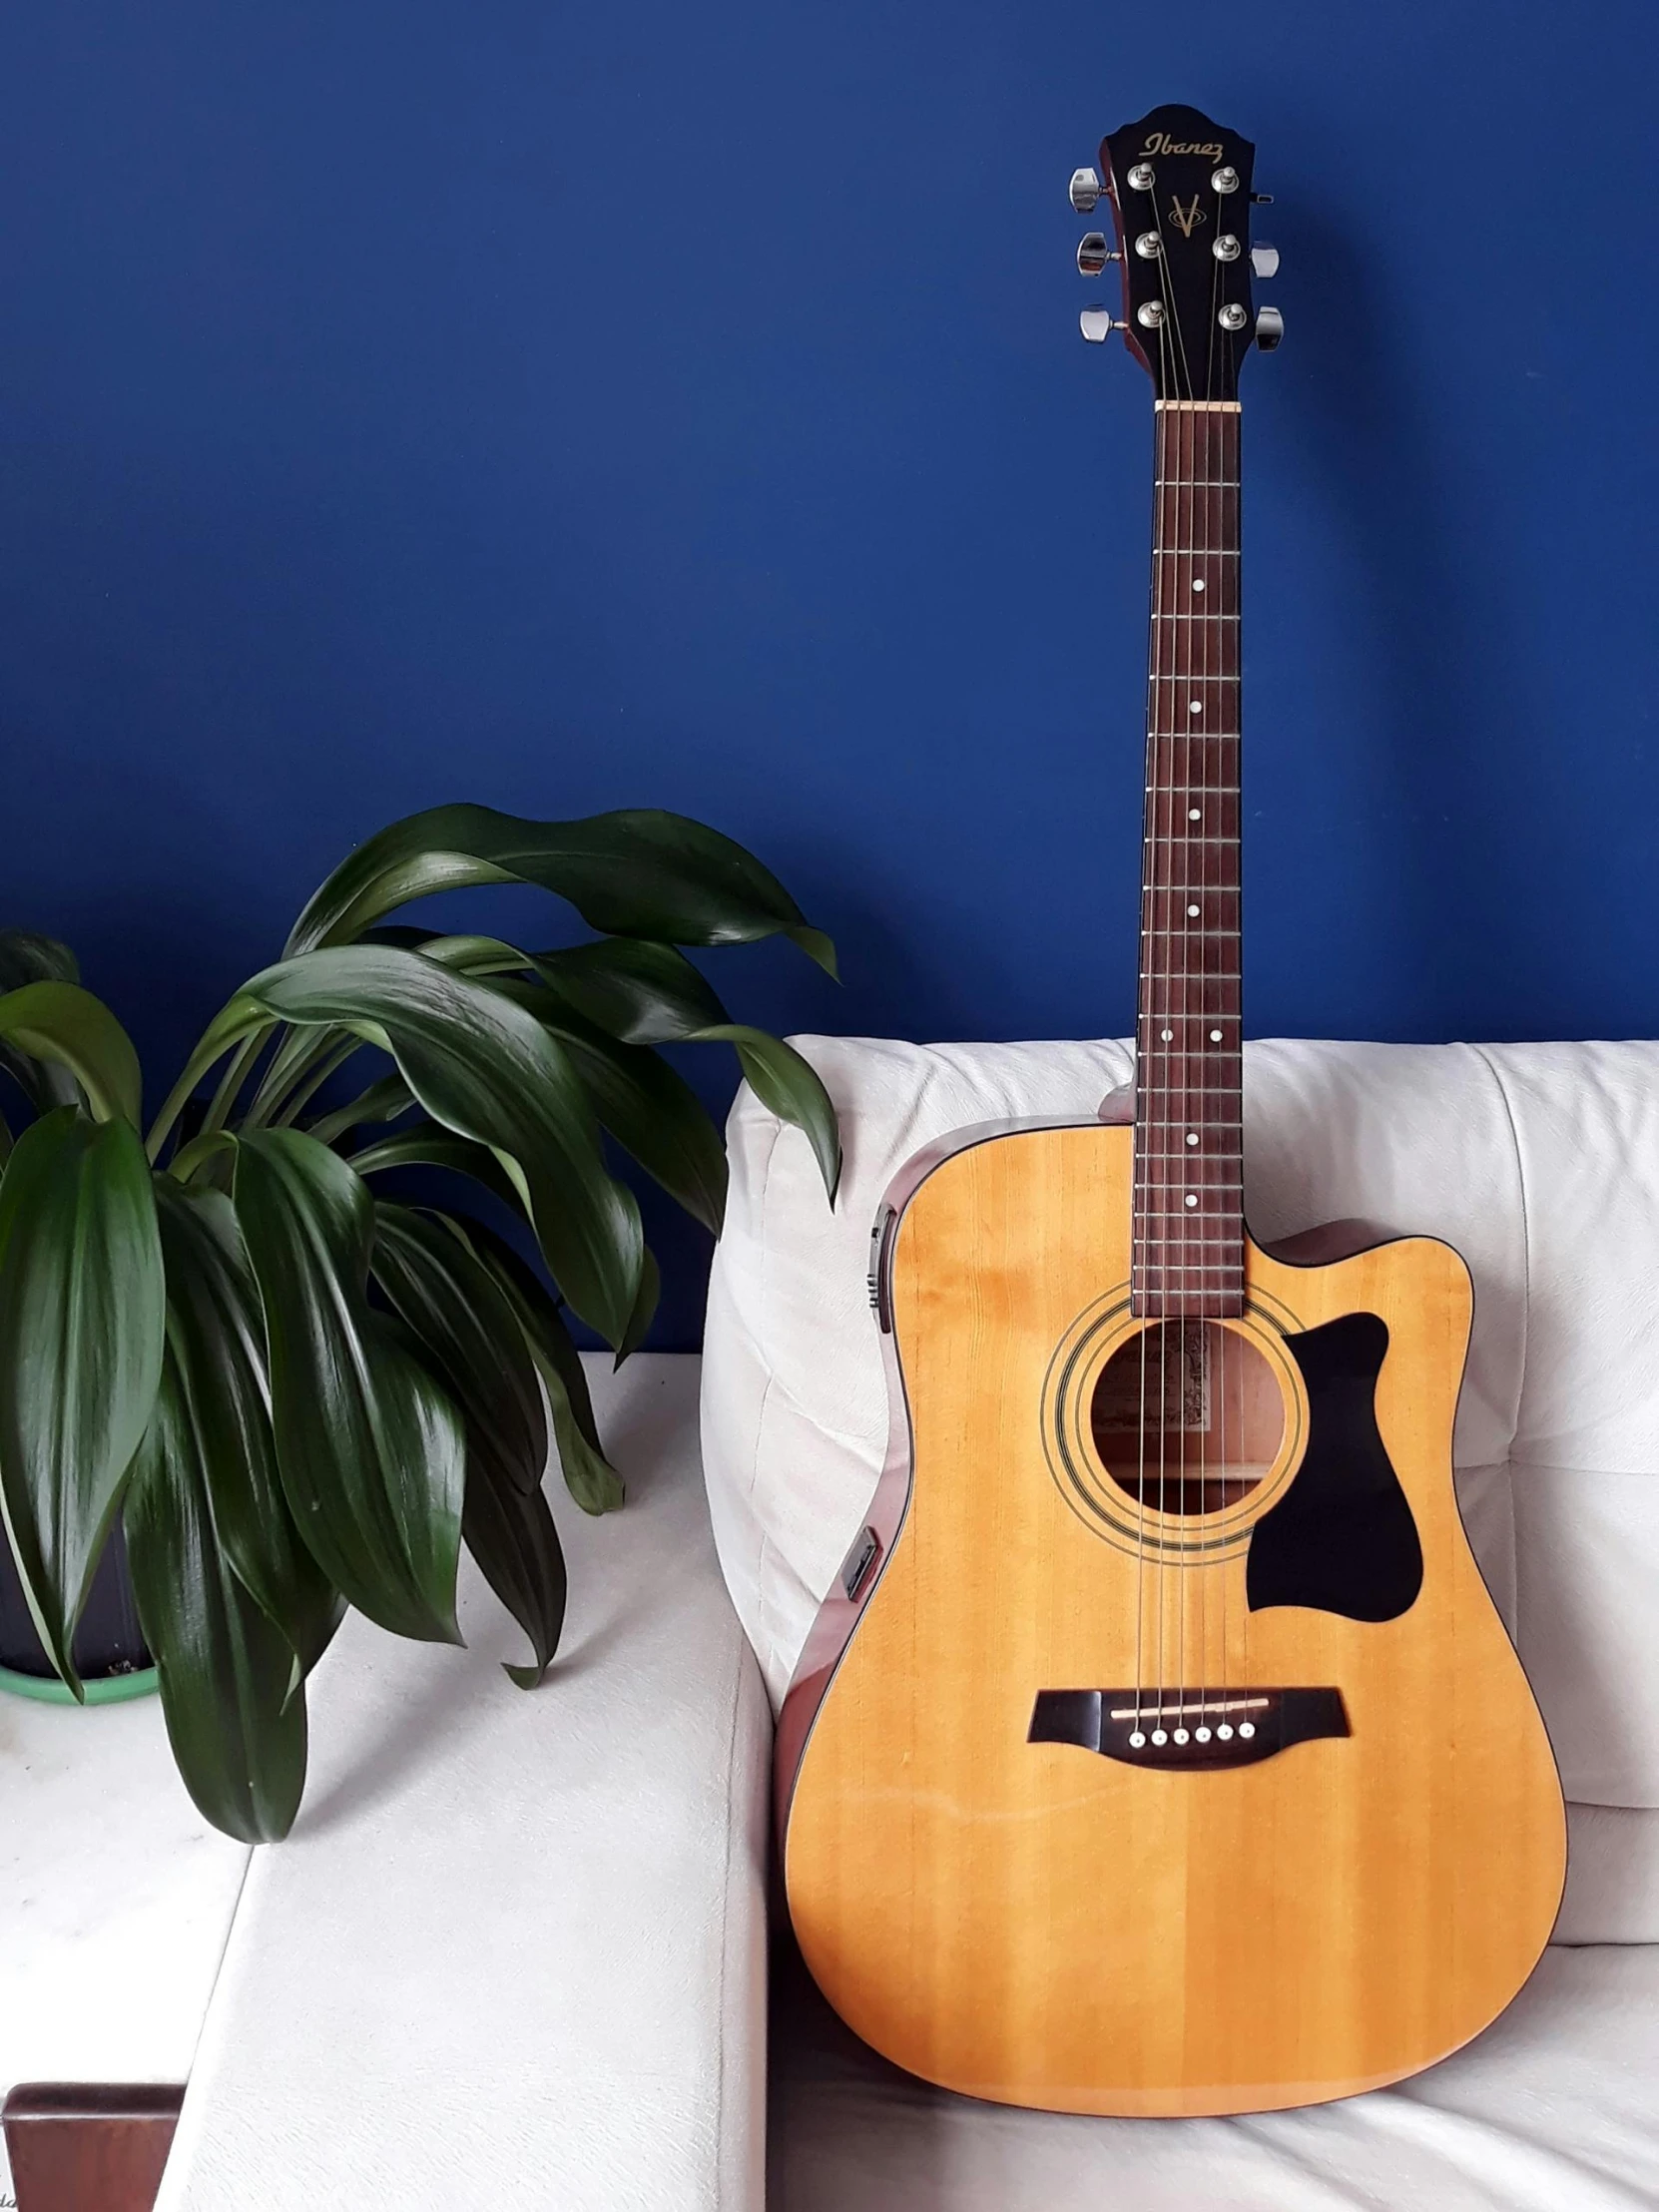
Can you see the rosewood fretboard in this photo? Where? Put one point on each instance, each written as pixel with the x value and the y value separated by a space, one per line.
pixel 1189 1214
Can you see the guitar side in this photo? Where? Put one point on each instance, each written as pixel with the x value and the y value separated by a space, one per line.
pixel 1033 1922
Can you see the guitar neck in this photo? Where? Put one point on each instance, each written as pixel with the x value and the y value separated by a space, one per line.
pixel 1188 1202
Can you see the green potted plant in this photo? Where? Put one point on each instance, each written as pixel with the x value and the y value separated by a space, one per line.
pixel 293 1393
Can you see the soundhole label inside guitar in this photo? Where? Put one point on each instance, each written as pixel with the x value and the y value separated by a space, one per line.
pixel 1187 1416
pixel 1173 1437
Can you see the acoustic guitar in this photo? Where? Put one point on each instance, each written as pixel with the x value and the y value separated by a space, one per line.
pixel 1160 1749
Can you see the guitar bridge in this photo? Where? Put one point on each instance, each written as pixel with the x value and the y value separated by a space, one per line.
pixel 1187 1728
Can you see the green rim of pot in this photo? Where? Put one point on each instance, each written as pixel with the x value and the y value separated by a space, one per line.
pixel 104 1689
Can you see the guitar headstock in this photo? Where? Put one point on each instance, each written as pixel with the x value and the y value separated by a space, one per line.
pixel 1179 188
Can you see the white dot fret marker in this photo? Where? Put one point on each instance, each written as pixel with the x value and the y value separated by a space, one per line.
pixel 1167 1036
pixel 1194 813
pixel 1197 583
pixel 1192 913
pixel 1215 1036
pixel 1192 1136
pixel 1195 706
pixel 1191 1198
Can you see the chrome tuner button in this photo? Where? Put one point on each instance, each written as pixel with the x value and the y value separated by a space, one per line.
pixel 1150 315
pixel 1233 317
pixel 1149 246
pixel 1270 329
pixel 1226 247
pixel 1097 326
pixel 1141 178
pixel 1225 180
pixel 1093 254
pixel 1086 188
pixel 1264 260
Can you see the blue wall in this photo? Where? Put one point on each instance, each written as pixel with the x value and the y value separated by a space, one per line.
pixel 572 406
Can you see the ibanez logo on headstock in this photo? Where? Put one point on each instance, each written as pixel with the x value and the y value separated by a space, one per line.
pixel 1179 188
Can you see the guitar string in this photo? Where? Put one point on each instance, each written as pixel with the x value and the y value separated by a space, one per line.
pixel 1142 1089
pixel 1178 380
pixel 1217 474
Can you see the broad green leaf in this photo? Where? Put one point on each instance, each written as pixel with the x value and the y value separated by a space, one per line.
pixel 61 1022
pixel 368 1445
pixel 236 1724
pixel 216 1333
pixel 426 1147
pixel 230 1028
pixel 635 873
pixel 462 1318
pixel 81 1328
pixel 650 1109
pixel 643 994
pixel 589 1476
pixel 484 1067
pixel 510 1533
pixel 387 1100
pixel 26 957
pixel 782 1079
pixel 645 1310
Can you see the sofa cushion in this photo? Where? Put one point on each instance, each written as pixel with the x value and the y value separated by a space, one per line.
pixel 1541 1163
pixel 1552 2108
pixel 514 1953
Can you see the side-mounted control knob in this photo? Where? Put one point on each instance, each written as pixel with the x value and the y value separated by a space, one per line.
pixel 1086 188
pixel 1270 329
pixel 1093 254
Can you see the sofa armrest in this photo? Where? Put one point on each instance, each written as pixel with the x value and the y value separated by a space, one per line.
pixel 514 1951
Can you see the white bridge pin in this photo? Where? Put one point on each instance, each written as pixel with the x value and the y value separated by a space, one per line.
pixel 1180 1735
pixel 1201 1735
pixel 1225 1732
pixel 1157 1736
pixel 1247 1728
pixel 1137 1739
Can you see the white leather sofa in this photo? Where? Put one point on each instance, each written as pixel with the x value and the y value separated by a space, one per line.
pixel 514 1956
pixel 1542 1164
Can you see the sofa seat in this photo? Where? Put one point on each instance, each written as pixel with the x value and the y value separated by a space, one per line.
pixel 1554 2110
pixel 513 1955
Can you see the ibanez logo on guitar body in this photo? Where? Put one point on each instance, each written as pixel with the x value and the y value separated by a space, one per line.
pixel 1159 1749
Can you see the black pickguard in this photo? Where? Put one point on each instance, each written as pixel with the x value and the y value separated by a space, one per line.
pixel 1342 1539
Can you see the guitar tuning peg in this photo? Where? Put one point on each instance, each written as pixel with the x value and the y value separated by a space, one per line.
pixel 1086 188
pixel 1093 254
pixel 1264 260
pixel 1270 329
pixel 1097 326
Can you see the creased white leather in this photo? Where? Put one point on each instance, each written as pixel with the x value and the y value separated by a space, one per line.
pixel 1554 2110
pixel 512 1957
pixel 1541 1163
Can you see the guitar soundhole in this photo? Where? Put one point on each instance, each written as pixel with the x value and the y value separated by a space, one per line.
pixel 1187 1416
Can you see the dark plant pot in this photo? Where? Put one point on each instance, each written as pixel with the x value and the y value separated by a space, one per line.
pixel 108 1648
